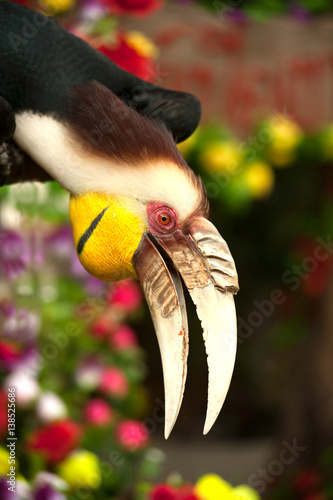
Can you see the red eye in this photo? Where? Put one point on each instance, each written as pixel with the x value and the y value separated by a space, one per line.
pixel 164 219
pixel 161 218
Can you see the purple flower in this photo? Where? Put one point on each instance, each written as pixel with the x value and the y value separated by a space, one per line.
pixel 47 492
pixel 4 493
pixel 48 486
pixel 22 490
pixel 7 309
pixel 14 254
pixel 60 244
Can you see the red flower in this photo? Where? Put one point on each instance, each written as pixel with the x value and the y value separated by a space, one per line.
pixel 132 435
pixel 98 412
pixel 9 354
pixel 123 338
pixel 55 441
pixel 126 295
pixel 186 493
pixel 315 266
pixel 101 327
pixel 114 382
pixel 138 8
pixel 128 59
pixel 307 480
pixel 163 492
pixel 167 492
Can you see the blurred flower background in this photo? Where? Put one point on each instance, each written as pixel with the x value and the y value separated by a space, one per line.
pixel 70 344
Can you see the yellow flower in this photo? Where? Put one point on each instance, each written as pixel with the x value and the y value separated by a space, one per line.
pixel 285 136
pixel 54 7
pixel 4 465
pixel 81 469
pixel 259 178
pixel 221 156
pixel 284 132
pixel 141 44
pixel 244 492
pixel 186 146
pixel 213 487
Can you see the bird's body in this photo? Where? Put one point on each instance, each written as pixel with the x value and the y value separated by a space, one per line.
pixel 136 207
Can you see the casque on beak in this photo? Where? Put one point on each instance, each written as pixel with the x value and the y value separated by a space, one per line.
pixel 202 258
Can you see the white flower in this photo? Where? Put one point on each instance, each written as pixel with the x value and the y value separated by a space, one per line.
pixel 26 387
pixel 50 407
pixel 23 490
pixel 88 375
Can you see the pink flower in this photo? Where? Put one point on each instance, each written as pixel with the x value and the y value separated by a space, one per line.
pixel 126 295
pixel 114 382
pixel 138 8
pixel 123 338
pixel 3 413
pixel 98 412
pixel 132 435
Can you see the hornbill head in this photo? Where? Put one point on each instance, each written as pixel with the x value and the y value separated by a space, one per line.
pixel 138 210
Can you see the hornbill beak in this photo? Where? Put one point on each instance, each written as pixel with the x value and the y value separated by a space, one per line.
pixel 202 258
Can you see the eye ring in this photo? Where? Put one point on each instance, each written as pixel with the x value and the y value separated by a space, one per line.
pixel 164 218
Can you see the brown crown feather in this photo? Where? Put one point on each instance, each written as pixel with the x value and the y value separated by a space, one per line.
pixel 106 127
pixel 109 128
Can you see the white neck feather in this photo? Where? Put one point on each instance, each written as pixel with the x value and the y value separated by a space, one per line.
pixel 50 144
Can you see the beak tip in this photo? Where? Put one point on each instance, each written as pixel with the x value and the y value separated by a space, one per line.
pixel 167 430
pixel 208 425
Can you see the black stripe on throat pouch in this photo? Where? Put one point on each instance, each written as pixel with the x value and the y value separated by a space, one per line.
pixel 88 232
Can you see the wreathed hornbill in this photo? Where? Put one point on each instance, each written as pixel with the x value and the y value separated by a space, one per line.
pixel 136 208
